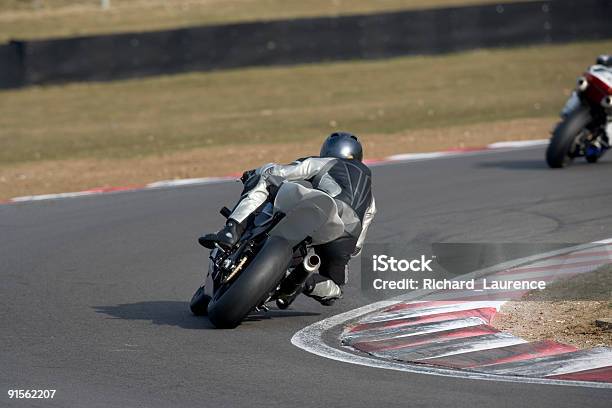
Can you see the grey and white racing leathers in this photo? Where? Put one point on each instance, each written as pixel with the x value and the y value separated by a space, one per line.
pixel 349 182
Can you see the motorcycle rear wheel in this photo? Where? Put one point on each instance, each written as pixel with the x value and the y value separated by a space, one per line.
pixel 559 152
pixel 252 286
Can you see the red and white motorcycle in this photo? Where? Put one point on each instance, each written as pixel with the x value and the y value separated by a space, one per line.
pixel 586 126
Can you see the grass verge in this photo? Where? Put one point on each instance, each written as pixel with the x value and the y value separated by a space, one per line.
pixel 257 112
pixel 48 176
pixel 27 19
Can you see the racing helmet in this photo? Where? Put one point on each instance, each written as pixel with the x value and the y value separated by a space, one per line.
pixel 342 145
pixel 605 60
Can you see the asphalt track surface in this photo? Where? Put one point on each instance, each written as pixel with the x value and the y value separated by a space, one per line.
pixel 94 291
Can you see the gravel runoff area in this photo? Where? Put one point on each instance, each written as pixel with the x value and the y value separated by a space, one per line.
pixel 566 311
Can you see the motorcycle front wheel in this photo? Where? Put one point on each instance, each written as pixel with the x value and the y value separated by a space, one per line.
pixel 561 150
pixel 199 302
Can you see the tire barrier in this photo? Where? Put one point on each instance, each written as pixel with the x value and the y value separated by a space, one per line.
pixel 307 40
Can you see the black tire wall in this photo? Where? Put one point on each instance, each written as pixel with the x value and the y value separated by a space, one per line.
pixel 307 40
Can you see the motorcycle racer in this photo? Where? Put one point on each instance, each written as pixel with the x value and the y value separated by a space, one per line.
pixel 339 172
pixel 603 62
pixel 585 129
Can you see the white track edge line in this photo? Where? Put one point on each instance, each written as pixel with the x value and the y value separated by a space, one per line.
pixel 310 338
pixel 387 161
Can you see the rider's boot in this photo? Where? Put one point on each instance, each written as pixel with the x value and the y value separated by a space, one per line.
pixel 227 237
pixel 322 289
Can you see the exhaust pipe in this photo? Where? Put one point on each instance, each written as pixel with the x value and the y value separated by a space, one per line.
pixel 607 102
pixel 311 263
pixel 582 84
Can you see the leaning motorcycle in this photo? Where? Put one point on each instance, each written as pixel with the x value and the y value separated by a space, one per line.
pixel 274 255
pixel 586 125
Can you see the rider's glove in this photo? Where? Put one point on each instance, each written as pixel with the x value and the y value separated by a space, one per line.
pixel 247 175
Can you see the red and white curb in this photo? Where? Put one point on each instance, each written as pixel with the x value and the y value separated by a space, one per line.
pixel 450 334
pixel 213 180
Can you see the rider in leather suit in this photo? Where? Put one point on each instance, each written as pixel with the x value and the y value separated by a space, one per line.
pixel 339 172
pixel 604 60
